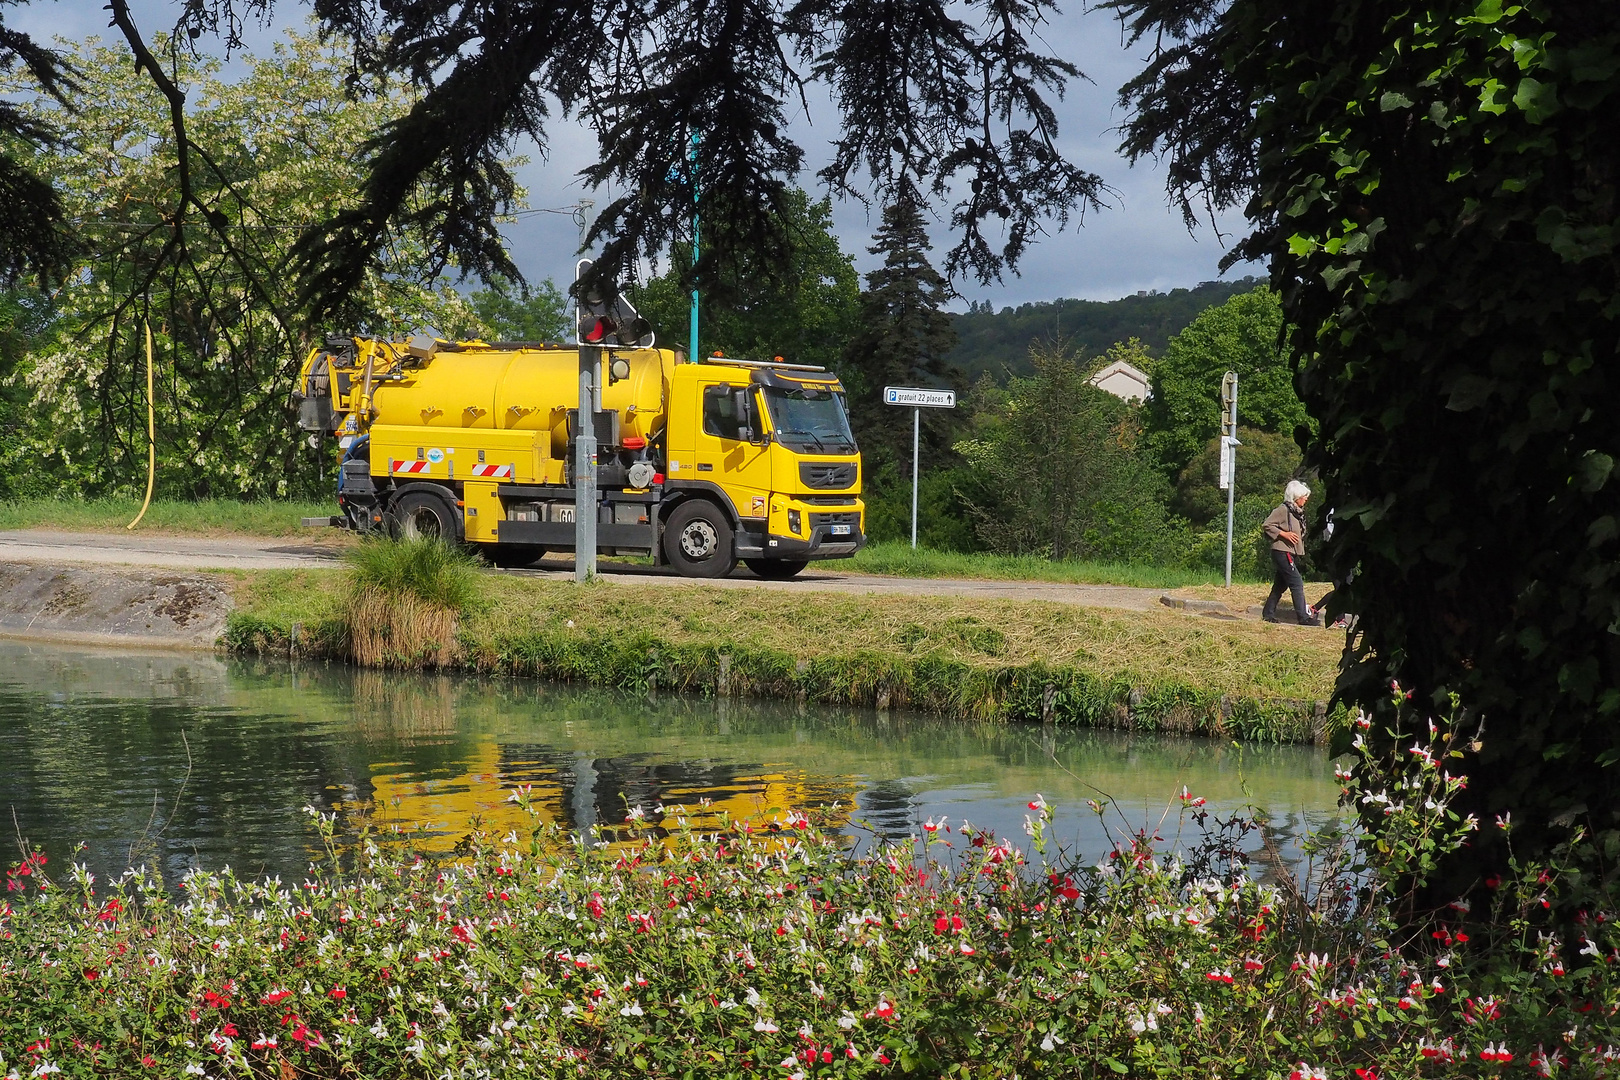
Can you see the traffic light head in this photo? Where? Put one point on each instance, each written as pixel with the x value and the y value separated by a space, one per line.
pixel 608 319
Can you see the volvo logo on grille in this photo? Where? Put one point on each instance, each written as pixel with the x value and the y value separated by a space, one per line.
pixel 827 476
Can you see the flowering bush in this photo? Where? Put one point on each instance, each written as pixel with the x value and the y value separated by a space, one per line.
pixel 770 949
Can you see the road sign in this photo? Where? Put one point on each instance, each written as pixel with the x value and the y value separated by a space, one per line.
pixel 918 397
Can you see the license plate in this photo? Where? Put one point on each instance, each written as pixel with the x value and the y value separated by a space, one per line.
pixel 840 530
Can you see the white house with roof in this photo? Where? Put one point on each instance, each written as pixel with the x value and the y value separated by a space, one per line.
pixel 1123 380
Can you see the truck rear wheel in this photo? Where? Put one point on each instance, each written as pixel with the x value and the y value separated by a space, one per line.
pixel 424 515
pixel 698 541
pixel 776 569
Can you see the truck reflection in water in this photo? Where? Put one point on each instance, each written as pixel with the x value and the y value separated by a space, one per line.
pixel 185 761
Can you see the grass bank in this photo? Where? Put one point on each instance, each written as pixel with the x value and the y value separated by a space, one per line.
pixel 986 659
pixel 900 560
pixel 201 517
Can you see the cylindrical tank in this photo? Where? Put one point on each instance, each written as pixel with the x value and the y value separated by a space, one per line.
pixel 523 389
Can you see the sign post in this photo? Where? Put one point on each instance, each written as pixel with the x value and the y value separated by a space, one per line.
pixel 918 398
pixel 1229 445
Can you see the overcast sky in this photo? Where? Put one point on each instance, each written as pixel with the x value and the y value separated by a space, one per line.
pixel 1137 243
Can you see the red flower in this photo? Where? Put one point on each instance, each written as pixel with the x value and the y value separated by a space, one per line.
pixel 337 993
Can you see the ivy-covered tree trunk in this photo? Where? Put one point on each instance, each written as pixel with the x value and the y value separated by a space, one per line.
pixel 1437 189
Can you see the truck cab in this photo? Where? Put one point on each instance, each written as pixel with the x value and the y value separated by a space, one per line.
pixel 698 464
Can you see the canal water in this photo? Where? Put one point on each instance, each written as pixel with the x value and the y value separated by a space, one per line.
pixel 186 761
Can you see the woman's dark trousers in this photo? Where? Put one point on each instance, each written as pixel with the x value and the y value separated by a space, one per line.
pixel 1286 576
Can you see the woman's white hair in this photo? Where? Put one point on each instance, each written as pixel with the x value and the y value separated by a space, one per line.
pixel 1294 490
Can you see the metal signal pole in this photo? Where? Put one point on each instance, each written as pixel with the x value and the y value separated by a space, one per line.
pixel 916 438
pixel 1229 445
pixel 692 156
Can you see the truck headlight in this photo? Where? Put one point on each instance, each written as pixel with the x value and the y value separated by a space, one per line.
pixel 795 522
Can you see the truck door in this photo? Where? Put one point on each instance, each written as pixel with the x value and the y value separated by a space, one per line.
pixel 730 448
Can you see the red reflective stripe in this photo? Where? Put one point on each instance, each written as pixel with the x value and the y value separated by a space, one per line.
pixel 410 466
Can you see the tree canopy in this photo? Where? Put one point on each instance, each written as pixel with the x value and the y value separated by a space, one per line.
pixel 955 99
pixel 227 331
pixel 902 336
pixel 1242 335
pixel 1437 196
pixel 997 342
pixel 803 312
pixel 36 240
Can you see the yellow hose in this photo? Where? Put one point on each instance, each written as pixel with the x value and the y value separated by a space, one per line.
pixel 151 434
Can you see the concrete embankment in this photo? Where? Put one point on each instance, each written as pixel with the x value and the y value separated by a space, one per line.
pixel 90 606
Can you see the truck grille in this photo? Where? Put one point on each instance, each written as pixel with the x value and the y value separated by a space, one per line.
pixel 819 475
pixel 850 518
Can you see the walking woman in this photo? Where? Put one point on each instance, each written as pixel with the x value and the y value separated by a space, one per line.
pixel 1285 528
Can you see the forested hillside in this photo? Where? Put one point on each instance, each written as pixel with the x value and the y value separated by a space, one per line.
pixel 998 341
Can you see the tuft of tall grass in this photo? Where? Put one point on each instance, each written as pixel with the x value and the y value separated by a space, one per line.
pixel 428 570
pixel 403 602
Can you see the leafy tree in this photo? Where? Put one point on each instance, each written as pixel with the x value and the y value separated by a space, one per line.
pixel 506 313
pixel 1058 470
pixel 26 315
pixel 1265 463
pixel 804 311
pixel 1241 335
pixel 1436 195
pixel 998 341
pixel 904 338
pixel 204 264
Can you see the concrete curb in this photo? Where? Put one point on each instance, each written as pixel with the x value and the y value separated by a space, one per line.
pixel 82 605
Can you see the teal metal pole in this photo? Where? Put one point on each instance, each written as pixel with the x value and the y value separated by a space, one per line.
pixel 692 156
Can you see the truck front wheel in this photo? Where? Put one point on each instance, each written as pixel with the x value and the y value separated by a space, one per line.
pixel 698 540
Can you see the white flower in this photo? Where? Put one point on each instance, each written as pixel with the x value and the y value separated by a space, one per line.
pixel 847 1021
pixel 379 1029
pixel 766 1026
pixel 632 1009
pixel 1051 1042
pixel 753 998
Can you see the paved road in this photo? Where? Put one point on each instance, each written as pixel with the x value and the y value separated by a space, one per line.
pixel 212 553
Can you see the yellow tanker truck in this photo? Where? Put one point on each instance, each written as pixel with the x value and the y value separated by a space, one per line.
pixel 698 464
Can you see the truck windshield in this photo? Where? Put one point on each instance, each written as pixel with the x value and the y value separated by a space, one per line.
pixel 810 420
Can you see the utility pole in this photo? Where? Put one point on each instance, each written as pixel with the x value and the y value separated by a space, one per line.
pixel 582 218
pixel 1229 445
pixel 692 160
pixel 590 382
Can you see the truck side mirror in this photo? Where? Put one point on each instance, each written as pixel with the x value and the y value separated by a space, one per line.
pixel 748 425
